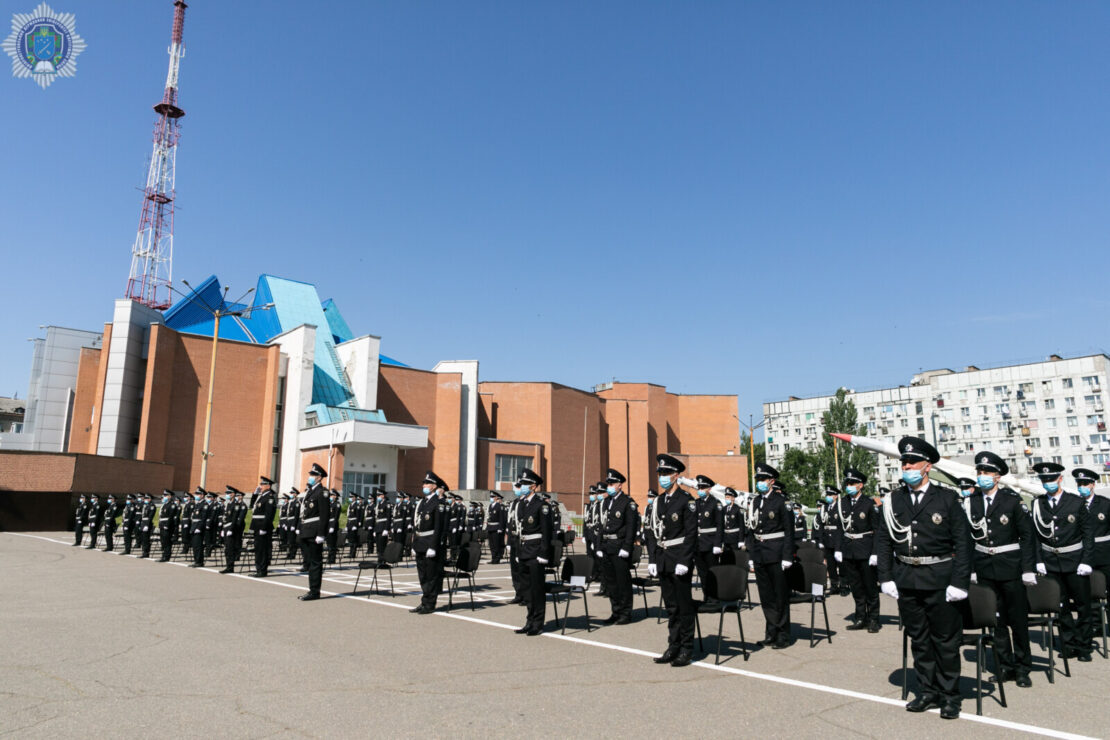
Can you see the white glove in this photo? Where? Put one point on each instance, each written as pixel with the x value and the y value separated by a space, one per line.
pixel 331 531
pixel 743 546
pixel 196 531
pixel 873 561
pixel 508 549
pixel 1041 569
pixel 319 540
pixel 298 533
pixel 1029 579
pixel 717 551
pixel 954 594
pixel 1083 570
pixel 681 570
pixel 623 553
pixel 786 564
pixel 974 578
pixel 600 554
pixel 542 561
pixel 751 567
pixel 431 553
pixel 653 571
pixel 147 529
pixel 838 556
pixel 889 588
pixel 820 546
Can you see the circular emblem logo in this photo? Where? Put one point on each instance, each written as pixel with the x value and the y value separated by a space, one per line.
pixel 426 517
pixel 531 520
pixel 937 518
pixel 43 45
pixel 1071 518
pixel 863 515
pixel 1004 519
pixel 674 517
pixel 1101 516
pixel 618 515
pixel 770 515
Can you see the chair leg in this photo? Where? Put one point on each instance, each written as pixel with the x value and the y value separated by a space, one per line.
pixel 586 605
pixel 740 625
pixel 659 613
pixel 825 609
pixel 720 633
pixel 356 580
pixel 979 674
pixel 1051 656
pixel 392 593
pixel 812 620
pixel 697 624
pixel 470 578
pixel 1102 614
pixel 905 667
pixel 373 584
pixel 643 594
pixel 566 614
pixel 1063 650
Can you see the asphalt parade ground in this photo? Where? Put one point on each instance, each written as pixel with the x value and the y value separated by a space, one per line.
pixel 97 645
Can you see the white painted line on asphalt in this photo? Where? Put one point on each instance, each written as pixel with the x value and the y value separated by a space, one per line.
pixel 1018 726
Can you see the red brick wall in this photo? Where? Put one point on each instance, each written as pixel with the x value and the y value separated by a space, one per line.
pixel 84 399
pixel 67 471
pixel 98 393
pixel 489 449
pixel 433 400
pixel 320 457
pixel 728 470
pixel 709 425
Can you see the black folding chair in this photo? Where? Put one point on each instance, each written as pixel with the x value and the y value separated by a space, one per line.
pixel 390 558
pixel 643 583
pixel 470 555
pixel 1044 612
pixel 1098 598
pixel 553 566
pixel 802 578
pixel 728 585
pixel 810 553
pixel 573 566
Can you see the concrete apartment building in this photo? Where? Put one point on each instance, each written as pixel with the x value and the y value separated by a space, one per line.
pixel 1052 410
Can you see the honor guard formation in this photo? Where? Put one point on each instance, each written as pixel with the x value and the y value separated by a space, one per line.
pixel 950 559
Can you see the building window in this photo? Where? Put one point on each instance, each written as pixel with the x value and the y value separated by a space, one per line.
pixel 507 467
pixel 311 420
pixel 1074 439
pixel 1073 421
pixel 1066 382
pixel 361 483
pixel 1053 441
pixel 1049 404
pixel 1046 386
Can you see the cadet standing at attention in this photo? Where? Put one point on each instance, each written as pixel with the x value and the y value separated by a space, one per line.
pixel 771 549
pixel 79 518
pixel 617 535
pixel 855 551
pixel 675 525
pixel 533 516
pixel 315 509
pixel 429 523
pixel 168 523
pixel 262 526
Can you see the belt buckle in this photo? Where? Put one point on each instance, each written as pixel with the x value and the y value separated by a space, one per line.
pixel 915 561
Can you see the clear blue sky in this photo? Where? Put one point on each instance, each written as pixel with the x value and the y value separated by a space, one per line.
pixel 723 197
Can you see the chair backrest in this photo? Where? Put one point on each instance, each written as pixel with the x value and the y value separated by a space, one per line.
pixel 982 608
pixel 636 555
pixel 796 578
pixel 473 552
pixel 811 554
pixel 727 582
pixel 813 572
pixel 1044 598
pixel 341 539
pixel 393 552
pixel 1098 585
pixel 556 552
pixel 464 538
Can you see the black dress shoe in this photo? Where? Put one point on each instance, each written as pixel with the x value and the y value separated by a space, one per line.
pixel 781 644
pixel 766 641
pixel 874 626
pixel 668 655
pixel 517 600
pixel 309 596
pixel 1023 681
pixel 1084 658
pixel 623 620
pixel 684 658
pixel 535 631
pixel 417 609
pixel 227 570
pixel 923 703
pixel 303 570
pixel 1007 674
pixel 522 630
pixel 950 710
pixel 856 626
pixel 612 619
pixel 194 565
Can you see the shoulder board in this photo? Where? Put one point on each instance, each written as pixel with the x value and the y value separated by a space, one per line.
pixel 1024 507
pixel 441 507
pixel 632 505
pixel 546 509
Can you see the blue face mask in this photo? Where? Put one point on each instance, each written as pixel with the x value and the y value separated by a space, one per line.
pixel 912 477
pixel 1051 487
pixel 703 492
pixel 426 490
pixel 312 480
pixel 664 482
pixel 985 482
pixel 851 490
pixel 611 490
pixel 592 497
pixel 524 491
pixel 165 499
pixel 762 486
pixel 1086 491
pixel 965 492
pixel 828 499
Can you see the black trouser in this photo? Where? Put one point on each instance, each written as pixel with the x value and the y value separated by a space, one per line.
pixel 863 579
pixel 291 543
pixel 186 539
pixel 935 629
pixel 144 540
pixel 332 539
pixel 1011 635
pixel 618 578
pixel 519 573
pixel 128 535
pixel 166 535
pixel 313 553
pixel 597 573
pixel 231 550
pixel 536 593
pixel 93 531
pixel 774 599
pixel 353 537
pixel 209 541
pixel 730 554
pixel 1075 632
pixel 109 543
pixel 679 602
pixel 703 561
pixel 496 540
pixel 382 540
pixel 198 548
pixel 78 533
pixel 835 570
pixel 263 545
pixel 430 572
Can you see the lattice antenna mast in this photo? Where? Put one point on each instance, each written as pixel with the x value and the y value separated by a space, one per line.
pixel 152 255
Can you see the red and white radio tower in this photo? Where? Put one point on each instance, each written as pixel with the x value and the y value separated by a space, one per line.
pixel 152 255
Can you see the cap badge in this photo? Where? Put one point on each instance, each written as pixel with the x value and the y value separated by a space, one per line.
pixel 531 520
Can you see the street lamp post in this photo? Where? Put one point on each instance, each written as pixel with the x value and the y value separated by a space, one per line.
pixel 751 447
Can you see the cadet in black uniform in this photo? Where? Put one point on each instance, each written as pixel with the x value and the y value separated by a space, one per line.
pixel 924 552
pixel 533 519
pixel 733 529
pixel 95 517
pixel 146 524
pixel 332 536
pixel 826 533
pixel 617 534
pixel 1004 561
pixel 211 523
pixel 197 520
pixel 79 518
pixel 262 526
pixel 590 523
pixel 185 524
pixel 801 531
pixel 402 521
pixel 129 521
pixel 234 520
pixel 517 571
pixel 771 550
pixel 294 525
pixel 355 512
pixel 110 514
pixel 315 511
pixel 1067 547
pixel 710 533
pixel 674 522
pixel 855 549
pixel 496 521
pixel 429 524
pixel 1098 512
pixel 168 523
pixel 383 519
